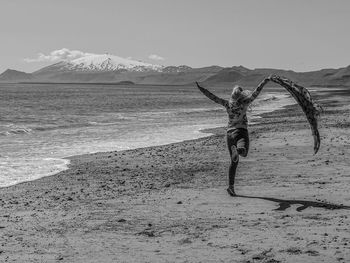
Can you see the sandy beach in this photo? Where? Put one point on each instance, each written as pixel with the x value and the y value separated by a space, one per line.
pixel 169 203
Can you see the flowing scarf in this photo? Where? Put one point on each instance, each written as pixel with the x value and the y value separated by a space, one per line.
pixel 311 109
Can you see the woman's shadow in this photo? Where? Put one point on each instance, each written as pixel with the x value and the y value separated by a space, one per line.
pixel 285 203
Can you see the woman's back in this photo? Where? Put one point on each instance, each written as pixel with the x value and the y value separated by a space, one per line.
pixel 237 115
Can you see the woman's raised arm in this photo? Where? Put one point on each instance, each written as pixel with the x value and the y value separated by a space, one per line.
pixel 257 91
pixel 212 96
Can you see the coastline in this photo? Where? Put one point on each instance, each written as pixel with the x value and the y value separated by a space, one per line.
pixel 164 202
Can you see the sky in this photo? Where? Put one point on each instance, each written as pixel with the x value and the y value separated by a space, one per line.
pixel 301 35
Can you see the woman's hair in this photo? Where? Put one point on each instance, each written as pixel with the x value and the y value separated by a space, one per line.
pixel 238 94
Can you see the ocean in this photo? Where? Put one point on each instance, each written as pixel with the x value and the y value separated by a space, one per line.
pixel 40 124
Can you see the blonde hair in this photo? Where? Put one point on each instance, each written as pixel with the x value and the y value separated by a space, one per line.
pixel 238 94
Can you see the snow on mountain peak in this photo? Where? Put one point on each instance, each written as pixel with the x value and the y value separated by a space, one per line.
pixel 108 62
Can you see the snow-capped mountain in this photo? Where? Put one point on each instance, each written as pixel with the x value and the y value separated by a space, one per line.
pixel 104 62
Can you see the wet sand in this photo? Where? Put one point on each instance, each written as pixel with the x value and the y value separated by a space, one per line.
pixel 169 203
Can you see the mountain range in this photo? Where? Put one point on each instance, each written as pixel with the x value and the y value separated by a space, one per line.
pixel 113 69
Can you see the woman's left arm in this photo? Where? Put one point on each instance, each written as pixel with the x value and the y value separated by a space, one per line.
pixel 257 91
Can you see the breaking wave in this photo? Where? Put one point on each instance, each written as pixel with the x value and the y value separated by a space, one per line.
pixel 12 129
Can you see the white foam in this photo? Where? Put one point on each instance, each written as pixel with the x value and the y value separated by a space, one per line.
pixel 14 171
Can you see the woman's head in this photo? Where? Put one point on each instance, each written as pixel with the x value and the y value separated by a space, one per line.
pixel 238 95
pixel 237 92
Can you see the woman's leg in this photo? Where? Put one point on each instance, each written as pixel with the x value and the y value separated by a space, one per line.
pixel 243 143
pixel 232 172
pixel 231 143
pixel 237 141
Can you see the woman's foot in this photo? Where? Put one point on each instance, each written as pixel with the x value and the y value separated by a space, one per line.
pixel 235 155
pixel 231 190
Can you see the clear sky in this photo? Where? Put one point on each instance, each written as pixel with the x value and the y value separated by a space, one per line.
pixel 301 35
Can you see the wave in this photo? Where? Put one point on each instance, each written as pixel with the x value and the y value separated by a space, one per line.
pixel 272 96
pixel 94 123
pixel 58 127
pixel 14 130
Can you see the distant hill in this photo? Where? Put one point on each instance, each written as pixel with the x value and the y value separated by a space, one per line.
pixel 174 69
pixel 226 75
pixel 244 76
pixel 14 76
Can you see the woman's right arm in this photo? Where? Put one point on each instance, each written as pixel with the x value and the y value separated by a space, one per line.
pixel 212 96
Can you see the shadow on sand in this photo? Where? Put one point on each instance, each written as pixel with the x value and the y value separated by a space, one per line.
pixel 284 204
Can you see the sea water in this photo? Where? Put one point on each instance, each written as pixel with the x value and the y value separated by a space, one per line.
pixel 40 124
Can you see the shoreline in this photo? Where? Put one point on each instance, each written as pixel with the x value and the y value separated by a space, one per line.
pixel 163 203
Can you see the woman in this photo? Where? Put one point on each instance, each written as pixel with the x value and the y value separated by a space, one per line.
pixel 237 129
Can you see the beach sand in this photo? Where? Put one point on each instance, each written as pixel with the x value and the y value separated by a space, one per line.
pixel 169 203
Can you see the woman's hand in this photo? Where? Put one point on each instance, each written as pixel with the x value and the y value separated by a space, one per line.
pixel 273 77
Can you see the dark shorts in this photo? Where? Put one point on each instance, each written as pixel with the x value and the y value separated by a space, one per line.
pixel 238 137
